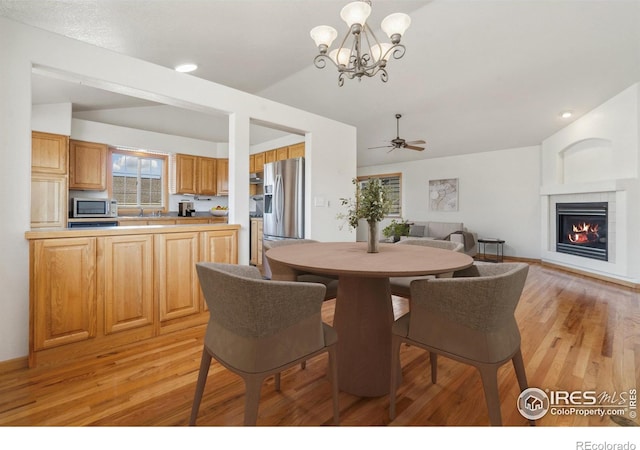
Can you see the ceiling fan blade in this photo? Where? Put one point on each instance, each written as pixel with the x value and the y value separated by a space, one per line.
pixel 382 146
pixel 420 141
pixel 412 147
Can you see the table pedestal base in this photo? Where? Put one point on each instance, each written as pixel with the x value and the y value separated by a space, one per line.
pixel 363 320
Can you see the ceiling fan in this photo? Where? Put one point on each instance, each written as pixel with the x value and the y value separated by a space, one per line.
pixel 398 142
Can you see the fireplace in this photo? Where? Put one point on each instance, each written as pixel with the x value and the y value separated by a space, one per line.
pixel 582 229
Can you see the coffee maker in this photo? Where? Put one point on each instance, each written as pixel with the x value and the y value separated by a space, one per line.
pixel 185 209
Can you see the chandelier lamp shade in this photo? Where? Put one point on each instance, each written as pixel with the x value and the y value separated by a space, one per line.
pixel 360 53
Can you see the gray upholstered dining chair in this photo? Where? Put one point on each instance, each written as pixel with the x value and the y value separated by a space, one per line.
pixel 400 285
pixel 330 283
pixel 468 318
pixel 258 328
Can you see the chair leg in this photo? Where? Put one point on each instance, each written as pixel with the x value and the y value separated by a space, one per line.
pixel 253 385
pixel 489 376
pixel 393 379
pixel 433 357
pixel 277 381
pixel 333 367
pixel 205 363
pixel 521 375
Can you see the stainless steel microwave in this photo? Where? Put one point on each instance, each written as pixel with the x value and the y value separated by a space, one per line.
pixel 93 207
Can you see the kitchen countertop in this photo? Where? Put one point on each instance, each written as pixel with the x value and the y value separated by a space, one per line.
pixel 53 233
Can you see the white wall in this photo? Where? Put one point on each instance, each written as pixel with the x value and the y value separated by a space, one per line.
pixel 53 118
pixel 327 141
pixel 498 194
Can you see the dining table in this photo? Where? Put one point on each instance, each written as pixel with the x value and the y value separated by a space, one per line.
pixel 363 314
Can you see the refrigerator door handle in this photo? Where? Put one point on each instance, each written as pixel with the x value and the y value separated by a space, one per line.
pixel 279 198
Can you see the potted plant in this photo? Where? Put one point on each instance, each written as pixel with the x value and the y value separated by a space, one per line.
pixel 372 203
pixel 396 229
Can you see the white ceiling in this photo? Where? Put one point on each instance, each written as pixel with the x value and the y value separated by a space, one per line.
pixel 478 75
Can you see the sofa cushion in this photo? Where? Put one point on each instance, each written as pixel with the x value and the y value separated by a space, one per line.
pixel 416 230
pixel 441 230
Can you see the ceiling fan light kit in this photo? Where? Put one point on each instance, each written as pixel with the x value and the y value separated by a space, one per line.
pixel 363 55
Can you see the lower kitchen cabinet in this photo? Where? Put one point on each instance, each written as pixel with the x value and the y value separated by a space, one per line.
pixel 94 290
pixel 176 276
pixel 256 242
pixel 63 291
pixel 125 282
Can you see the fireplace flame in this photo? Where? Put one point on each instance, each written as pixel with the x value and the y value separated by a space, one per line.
pixel 584 233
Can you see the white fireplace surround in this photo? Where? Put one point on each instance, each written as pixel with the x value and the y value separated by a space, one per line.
pixel 596 159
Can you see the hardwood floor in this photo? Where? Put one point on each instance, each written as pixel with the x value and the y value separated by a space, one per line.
pixel 577 334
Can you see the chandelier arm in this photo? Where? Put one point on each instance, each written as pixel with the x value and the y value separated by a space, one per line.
pixel 320 61
pixel 384 76
pixel 398 51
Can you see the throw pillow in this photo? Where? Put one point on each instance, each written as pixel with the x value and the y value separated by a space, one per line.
pixel 416 231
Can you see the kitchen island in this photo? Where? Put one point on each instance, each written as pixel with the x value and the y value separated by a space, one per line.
pixel 93 289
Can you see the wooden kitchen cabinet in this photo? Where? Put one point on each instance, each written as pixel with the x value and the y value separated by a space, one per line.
pixel 87 165
pixel 49 180
pixel 259 161
pixel 49 153
pixel 49 195
pixel 296 150
pixel 270 156
pixel 222 176
pixel 178 288
pixel 282 153
pixel 93 290
pixel 207 176
pixel 63 291
pixel 186 174
pixel 252 163
pixel 256 242
pixel 125 282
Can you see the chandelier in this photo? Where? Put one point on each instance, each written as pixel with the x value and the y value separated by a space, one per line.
pixel 364 55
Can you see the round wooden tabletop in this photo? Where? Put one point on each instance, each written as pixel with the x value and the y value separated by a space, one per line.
pixel 352 259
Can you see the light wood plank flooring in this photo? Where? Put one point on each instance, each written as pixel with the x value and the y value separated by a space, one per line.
pixel 577 333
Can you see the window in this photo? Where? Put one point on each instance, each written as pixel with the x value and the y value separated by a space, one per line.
pixel 139 179
pixel 393 182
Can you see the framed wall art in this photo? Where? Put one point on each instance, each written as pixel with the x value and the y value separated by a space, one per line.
pixel 443 194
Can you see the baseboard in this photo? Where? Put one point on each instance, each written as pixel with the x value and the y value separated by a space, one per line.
pixel 628 284
pixel 14 364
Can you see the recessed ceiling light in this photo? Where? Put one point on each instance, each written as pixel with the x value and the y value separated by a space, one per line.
pixel 185 68
pixel 566 114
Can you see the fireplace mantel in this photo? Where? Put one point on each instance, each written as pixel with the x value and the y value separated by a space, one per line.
pixel 585 188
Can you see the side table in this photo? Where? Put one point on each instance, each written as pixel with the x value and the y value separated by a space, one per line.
pixel 499 249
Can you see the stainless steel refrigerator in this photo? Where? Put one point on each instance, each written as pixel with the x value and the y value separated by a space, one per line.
pixel 283 214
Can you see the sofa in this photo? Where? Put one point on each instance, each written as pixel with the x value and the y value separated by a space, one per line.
pixel 446 231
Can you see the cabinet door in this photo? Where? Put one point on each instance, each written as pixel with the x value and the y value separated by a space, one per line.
pixel 259 161
pixel 259 239
pixel 193 221
pixel 125 282
pixel 296 150
pixel 87 166
pixel 270 156
pixel 48 201
pixel 49 153
pixel 223 176
pixel 220 246
pixel 63 291
pixel 253 245
pixel 207 176
pixel 132 222
pixel 282 153
pixel 252 163
pixel 175 274
pixel 186 174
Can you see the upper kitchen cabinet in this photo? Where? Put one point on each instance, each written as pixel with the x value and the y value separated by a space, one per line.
pixel 223 176
pixel 49 153
pixel 186 174
pixel 259 162
pixel 87 166
pixel 282 153
pixel 49 180
pixel 207 179
pixel 296 150
pixel 198 175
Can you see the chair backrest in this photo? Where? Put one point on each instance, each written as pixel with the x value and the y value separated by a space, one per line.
pixel 257 325
pixel 436 243
pixel 471 316
pixel 269 244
